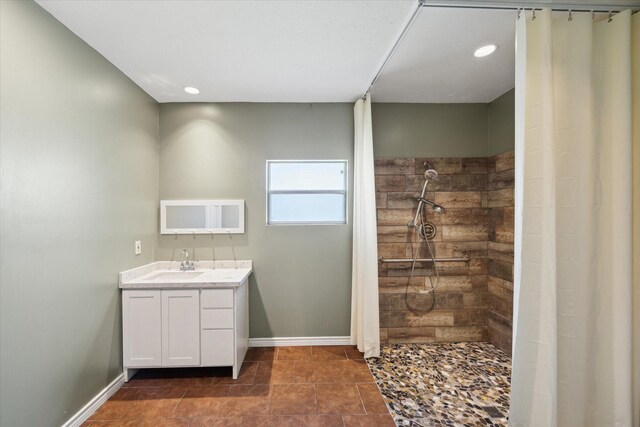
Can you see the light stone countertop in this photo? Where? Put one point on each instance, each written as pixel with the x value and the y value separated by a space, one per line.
pixel 167 275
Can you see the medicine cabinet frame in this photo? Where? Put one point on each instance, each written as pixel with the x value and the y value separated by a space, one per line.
pixel 205 217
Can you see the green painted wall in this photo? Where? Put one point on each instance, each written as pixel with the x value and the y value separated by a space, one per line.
pixel 444 130
pixel 429 130
pixel 79 183
pixel 501 120
pixel 302 280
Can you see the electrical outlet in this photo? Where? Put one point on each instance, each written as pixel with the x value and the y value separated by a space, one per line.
pixel 138 247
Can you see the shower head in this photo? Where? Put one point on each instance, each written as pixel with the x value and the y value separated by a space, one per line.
pixel 431 174
pixel 434 206
pixel 437 208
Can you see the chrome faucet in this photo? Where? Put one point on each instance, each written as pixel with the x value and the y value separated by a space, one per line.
pixel 186 265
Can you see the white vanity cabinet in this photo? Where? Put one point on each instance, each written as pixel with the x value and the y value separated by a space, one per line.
pixel 161 328
pixel 142 331
pixel 185 327
pixel 180 327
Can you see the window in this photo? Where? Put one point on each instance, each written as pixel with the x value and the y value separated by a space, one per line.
pixel 306 192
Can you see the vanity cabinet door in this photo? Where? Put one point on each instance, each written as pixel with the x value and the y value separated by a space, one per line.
pixel 141 313
pixel 181 327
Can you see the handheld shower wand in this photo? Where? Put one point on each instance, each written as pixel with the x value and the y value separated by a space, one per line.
pixel 430 174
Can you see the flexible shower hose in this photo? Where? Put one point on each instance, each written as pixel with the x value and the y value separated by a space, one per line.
pixel 420 235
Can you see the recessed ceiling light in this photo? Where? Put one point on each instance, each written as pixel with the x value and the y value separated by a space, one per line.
pixel 191 90
pixel 485 50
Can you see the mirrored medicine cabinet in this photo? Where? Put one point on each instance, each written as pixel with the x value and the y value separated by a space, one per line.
pixel 202 217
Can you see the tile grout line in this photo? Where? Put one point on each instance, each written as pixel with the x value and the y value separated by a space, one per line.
pixel 180 400
pixel 225 400
pixel 315 397
pixel 364 408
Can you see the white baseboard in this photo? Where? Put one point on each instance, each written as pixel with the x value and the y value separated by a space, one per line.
pixel 87 410
pixel 298 341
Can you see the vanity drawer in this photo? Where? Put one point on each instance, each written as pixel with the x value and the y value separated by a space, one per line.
pixel 216 318
pixel 217 347
pixel 216 298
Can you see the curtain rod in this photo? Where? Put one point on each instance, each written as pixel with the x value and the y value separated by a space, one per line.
pixel 510 5
pixel 387 58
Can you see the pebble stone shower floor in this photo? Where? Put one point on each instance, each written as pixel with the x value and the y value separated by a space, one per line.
pixel 459 384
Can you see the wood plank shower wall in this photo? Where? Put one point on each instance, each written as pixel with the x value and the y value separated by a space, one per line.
pixel 473 298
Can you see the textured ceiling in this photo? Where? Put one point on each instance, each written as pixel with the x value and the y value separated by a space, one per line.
pixel 296 51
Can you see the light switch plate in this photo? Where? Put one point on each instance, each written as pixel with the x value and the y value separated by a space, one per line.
pixel 138 247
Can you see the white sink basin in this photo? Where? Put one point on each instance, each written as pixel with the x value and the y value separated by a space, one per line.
pixel 175 275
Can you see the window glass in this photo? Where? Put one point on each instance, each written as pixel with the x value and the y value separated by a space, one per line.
pixel 307 176
pixel 306 192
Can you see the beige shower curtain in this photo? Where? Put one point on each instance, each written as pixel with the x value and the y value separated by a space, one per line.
pixel 576 319
pixel 365 327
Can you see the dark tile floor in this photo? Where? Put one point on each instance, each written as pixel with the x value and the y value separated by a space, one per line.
pixel 283 386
